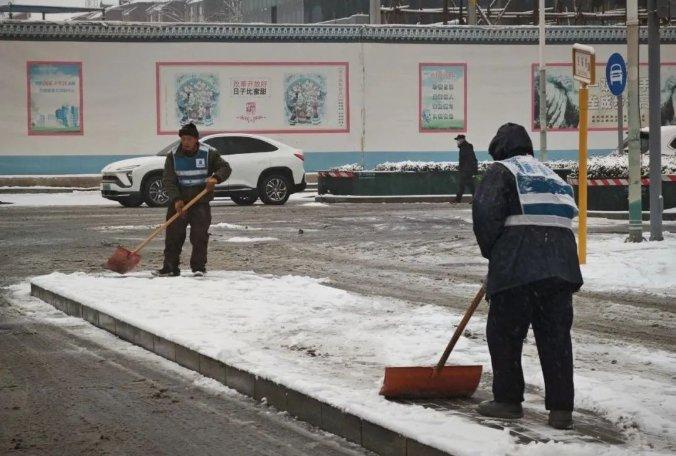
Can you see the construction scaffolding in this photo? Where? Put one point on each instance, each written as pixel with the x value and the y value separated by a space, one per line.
pixel 510 12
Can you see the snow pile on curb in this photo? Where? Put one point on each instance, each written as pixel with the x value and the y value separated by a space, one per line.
pixel 333 345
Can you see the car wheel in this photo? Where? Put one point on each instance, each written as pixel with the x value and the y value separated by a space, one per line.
pixel 153 191
pixel 245 198
pixel 130 202
pixel 274 189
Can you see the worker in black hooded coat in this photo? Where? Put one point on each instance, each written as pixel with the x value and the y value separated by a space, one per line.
pixel 532 275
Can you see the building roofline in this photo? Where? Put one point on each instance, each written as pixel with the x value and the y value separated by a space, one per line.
pixel 405 34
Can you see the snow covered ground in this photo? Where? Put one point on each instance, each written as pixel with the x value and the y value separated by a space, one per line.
pixel 90 198
pixel 334 344
pixel 613 264
pixel 94 198
pixel 247 240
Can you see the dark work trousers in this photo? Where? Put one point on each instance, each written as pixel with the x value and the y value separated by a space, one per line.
pixel 465 181
pixel 199 219
pixel 551 313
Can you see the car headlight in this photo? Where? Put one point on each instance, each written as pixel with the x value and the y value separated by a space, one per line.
pixel 126 169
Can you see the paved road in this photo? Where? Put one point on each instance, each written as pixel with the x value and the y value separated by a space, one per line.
pixel 76 390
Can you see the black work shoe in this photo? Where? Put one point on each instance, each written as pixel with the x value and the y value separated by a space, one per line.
pixel 167 272
pixel 561 419
pixel 505 410
pixel 199 272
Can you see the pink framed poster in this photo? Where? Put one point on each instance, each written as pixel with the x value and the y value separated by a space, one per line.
pixel 253 97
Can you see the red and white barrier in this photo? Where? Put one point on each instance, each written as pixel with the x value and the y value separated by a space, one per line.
pixel 619 182
pixel 342 174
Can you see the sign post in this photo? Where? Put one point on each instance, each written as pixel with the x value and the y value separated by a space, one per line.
pixel 616 79
pixel 584 70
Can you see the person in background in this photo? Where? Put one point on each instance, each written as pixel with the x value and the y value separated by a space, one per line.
pixel 468 167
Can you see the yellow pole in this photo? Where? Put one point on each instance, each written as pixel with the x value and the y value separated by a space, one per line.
pixel 582 177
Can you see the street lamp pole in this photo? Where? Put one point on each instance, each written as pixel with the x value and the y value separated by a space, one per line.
pixel 656 202
pixel 635 211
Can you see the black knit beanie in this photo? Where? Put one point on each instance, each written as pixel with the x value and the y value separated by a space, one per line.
pixel 189 130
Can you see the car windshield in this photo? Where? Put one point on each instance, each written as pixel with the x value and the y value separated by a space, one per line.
pixel 169 148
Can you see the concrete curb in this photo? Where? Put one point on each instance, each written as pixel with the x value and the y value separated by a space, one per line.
pixel 389 199
pixel 666 216
pixel 327 417
pixel 22 190
pixel 70 181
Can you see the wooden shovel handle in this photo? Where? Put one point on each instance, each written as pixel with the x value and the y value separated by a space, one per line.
pixel 461 327
pixel 163 226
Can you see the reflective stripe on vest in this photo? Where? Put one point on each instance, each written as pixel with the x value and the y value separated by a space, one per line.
pixel 546 199
pixel 192 171
pixel 540 220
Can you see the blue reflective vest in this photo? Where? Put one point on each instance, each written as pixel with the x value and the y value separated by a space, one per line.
pixel 546 199
pixel 192 171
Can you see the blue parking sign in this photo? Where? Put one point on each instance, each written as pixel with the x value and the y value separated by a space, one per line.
pixel 616 74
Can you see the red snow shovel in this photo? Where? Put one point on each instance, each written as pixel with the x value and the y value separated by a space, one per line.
pixel 440 381
pixel 124 260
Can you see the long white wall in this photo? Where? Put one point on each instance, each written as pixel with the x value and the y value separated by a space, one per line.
pixel 119 94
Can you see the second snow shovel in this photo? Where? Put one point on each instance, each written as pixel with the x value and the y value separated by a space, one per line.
pixel 124 260
pixel 440 381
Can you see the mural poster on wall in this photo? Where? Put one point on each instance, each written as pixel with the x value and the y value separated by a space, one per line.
pixel 54 98
pixel 563 112
pixel 442 97
pixel 253 97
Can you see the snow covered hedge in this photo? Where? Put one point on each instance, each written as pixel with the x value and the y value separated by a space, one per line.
pixel 612 166
pixel 422 167
pixel 354 167
pixel 616 166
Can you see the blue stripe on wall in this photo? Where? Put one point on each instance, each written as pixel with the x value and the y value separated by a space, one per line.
pixel 56 164
pixel 314 161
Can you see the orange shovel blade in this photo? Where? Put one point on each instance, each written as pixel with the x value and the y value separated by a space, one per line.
pixel 122 261
pixel 427 383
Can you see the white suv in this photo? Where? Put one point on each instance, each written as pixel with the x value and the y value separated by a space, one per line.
pixel 261 167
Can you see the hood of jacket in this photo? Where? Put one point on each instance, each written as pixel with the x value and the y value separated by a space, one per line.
pixel 510 140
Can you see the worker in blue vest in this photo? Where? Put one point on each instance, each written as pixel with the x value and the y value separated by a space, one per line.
pixel 523 214
pixel 188 170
